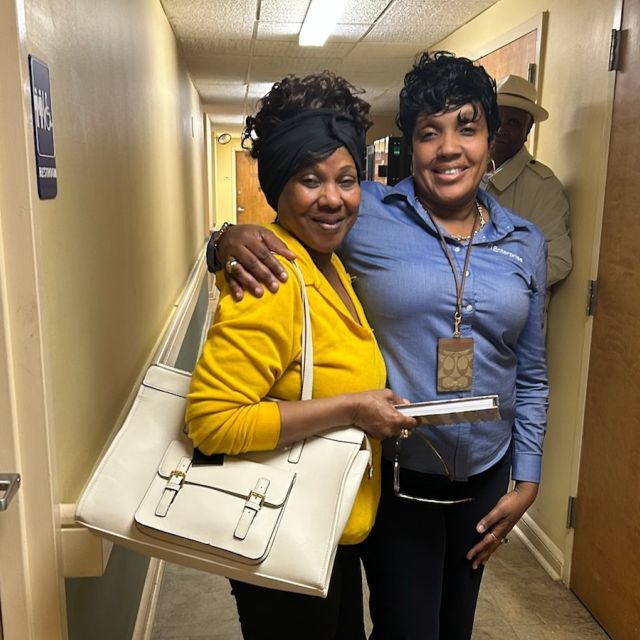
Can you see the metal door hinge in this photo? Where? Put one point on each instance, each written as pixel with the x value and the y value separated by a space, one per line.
pixel 532 72
pixel 571 512
pixel 9 484
pixel 592 297
pixel 614 50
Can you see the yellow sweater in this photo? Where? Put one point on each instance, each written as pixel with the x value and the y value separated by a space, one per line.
pixel 253 350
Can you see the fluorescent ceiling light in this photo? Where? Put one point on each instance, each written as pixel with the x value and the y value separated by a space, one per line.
pixel 321 17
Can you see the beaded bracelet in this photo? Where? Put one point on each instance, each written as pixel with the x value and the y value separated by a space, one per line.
pixel 220 234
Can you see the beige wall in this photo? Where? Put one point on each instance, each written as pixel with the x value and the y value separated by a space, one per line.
pixel 116 245
pixel 577 90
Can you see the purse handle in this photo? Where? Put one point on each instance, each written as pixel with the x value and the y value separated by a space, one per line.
pixel 307 361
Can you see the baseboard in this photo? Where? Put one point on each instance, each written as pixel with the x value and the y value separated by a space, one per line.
pixel 149 601
pixel 84 554
pixel 541 546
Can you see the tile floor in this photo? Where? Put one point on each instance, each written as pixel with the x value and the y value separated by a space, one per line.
pixel 518 601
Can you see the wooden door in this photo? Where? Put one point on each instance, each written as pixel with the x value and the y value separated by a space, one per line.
pixel 251 205
pixel 605 571
pixel 515 57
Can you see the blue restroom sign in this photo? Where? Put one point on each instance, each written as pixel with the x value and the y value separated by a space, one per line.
pixel 43 129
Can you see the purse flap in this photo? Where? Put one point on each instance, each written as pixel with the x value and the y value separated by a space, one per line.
pixel 235 476
pixel 168 379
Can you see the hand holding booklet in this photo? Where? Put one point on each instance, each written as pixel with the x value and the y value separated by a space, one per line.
pixel 453 411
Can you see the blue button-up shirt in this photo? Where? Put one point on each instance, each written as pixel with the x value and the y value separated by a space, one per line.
pixel 405 282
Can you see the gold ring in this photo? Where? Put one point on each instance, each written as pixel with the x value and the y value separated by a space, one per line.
pixel 495 537
pixel 230 266
pixel 405 433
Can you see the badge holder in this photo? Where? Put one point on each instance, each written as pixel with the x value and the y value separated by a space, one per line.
pixel 455 354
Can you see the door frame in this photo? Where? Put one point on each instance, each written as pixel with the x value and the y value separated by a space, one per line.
pixel 595 256
pixel 32 592
pixel 537 23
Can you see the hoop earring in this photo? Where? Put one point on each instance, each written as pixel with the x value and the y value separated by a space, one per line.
pixel 492 164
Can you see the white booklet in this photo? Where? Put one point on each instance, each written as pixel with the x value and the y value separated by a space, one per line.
pixel 453 411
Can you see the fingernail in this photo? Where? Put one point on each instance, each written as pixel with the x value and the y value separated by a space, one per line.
pixel 283 276
pixel 481 528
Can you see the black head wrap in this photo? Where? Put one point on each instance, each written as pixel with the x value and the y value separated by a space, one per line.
pixel 291 143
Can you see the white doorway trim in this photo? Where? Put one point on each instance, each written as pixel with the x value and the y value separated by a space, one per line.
pixel 31 585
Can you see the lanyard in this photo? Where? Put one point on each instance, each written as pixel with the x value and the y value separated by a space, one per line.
pixel 460 281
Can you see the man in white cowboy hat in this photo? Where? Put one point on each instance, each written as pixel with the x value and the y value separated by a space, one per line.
pixel 523 184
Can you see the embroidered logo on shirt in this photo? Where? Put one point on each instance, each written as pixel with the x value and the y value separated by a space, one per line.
pixel 504 252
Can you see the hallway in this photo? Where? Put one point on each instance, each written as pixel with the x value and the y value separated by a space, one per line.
pixel 519 600
pixel 141 106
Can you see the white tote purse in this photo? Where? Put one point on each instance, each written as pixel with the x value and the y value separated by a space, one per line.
pixel 270 518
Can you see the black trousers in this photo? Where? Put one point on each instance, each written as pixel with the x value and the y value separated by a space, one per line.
pixel 268 614
pixel 422 586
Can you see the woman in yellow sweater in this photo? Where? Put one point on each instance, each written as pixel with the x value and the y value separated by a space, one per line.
pixel 309 139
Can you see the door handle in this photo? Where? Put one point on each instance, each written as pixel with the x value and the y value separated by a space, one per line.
pixel 9 485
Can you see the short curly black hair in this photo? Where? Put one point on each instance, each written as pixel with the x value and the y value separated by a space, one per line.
pixel 292 94
pixel 439 82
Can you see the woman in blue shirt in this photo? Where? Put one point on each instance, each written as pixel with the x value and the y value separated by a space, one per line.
pixel 454 287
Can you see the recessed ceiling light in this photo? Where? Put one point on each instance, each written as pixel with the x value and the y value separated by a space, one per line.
pixel 322 16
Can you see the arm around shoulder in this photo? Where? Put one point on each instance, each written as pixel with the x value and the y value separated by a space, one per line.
pixel 248 251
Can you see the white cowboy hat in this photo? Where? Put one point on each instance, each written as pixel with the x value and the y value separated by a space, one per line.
pixel 514 91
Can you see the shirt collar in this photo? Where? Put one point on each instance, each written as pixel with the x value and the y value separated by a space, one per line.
pixel 509 171
pixel 501 224
pixel 404 189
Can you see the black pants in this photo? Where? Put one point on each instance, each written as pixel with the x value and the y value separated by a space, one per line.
pixel 268 614
pixel 422 586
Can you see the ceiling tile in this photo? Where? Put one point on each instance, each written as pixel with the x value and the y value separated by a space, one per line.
pixel 219 68
pixel 366 51
pixel 277 48
pixel 279 11
pixel 417 33
pixel 227 43
pixel 208 11
pixel 348 32
pixel 278 30
pixel 427 21
pixel 240 30
pixel 199 45
pixel 268 69
pixel 363 11
pixel 224 114
pixel 224 92
pixel 258 89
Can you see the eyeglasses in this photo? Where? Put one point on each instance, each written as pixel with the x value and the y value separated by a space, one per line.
pixel 397 492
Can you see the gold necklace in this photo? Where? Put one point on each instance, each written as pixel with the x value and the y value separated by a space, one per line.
pixel 475 231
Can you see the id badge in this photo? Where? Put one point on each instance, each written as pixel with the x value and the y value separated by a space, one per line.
pixel 455 364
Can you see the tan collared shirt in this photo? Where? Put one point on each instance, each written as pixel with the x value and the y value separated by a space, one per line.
pixel 531 190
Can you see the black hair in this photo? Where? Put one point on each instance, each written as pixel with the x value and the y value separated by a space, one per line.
pixel 293 94
pixel 440 82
